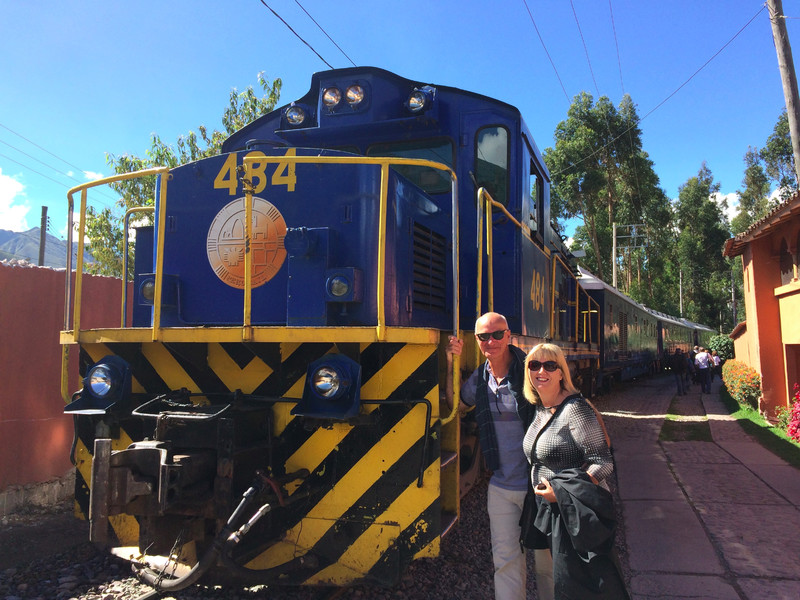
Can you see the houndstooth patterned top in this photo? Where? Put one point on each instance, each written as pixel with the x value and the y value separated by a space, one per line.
pixel 574 439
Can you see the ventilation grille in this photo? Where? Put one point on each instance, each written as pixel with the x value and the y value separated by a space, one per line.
pixel 428 276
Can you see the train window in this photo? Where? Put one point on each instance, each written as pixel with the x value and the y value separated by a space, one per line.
pixel 433 181
pixel 491 161
pixel 536 189
pixel 787 266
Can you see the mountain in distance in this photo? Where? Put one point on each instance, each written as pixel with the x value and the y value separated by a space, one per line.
pixel 24 245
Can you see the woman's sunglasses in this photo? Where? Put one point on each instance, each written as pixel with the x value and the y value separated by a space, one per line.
pixel 549 365
pixel 498 335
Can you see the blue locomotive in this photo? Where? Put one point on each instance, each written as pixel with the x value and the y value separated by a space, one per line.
pixel 269 409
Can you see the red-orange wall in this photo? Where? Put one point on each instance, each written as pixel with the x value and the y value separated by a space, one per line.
pixel 35 435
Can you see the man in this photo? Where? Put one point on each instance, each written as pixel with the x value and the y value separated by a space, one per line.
pixel 703 362
pixel 494 390
pixel 678 365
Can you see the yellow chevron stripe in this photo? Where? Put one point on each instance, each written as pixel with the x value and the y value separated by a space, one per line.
pixel 350 487
pixel 97 351
pixel 395 372
pixel 247 379
pixel 281 417
pixel 322 443
pixel 359 558
pixel 168 368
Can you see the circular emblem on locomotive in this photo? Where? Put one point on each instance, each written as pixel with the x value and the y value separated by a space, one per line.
pixel 226 244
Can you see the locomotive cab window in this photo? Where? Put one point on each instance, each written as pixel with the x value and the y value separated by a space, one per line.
pixel 433 181
pixel 491 162
pixel 533 195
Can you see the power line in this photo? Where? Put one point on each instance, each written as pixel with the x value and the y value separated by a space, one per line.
pixel 530 14
pixel 61 183
pixel 612 143
pixel 585 49
pixel 326 33
pixel 616 44
pixel 41 148
pixel 50 167
pixel 660 104
pixel 297 34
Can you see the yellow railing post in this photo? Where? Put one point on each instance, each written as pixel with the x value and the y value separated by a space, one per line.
pixel 160 232
pixel 247 325
pixel 76 315
pixel 381 283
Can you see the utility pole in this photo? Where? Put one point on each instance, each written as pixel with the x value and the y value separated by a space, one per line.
pixel 42 236
pixel 788 77
pixel 614 256
pixel 632 235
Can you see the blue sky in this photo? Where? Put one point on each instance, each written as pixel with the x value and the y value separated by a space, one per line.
pixel 83 78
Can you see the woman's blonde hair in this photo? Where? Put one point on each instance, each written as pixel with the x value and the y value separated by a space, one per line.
pixel 543 353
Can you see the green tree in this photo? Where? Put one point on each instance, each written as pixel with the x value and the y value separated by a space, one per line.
pixel 779 159
pixel 702 233
pixel 602 175
pixel 754 197
pixel 581 164
pixel 104 228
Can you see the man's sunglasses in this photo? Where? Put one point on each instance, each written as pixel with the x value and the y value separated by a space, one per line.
pixel 549 365
pixel 498 335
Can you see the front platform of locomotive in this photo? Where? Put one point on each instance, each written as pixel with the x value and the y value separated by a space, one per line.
pixel 270 411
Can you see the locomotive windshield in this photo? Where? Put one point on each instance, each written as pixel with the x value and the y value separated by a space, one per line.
pixel 432 181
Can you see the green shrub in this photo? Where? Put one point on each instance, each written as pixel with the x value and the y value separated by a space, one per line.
pixel 743 382
pixel 723 345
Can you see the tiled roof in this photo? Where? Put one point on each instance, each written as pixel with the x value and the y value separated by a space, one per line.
pixel 736 245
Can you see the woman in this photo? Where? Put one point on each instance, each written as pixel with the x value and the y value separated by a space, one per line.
pixel 567 448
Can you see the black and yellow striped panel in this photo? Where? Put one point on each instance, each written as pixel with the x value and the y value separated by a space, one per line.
pixel 365 517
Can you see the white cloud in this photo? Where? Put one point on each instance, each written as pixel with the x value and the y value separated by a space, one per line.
pixel 92 176
pixel 12 216
pixel 493 148
pixel 732 201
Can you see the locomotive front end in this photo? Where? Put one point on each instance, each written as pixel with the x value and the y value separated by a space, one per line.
pixel 269 411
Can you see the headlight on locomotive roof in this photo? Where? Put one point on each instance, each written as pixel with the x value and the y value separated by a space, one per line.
pixel 295 115
pixel 331 97
pixel 419 100
pixel 416 101
pixel 354 95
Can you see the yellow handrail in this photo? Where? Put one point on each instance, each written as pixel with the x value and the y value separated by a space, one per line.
pixel 81 228
pixel 485 205
pixel 384 164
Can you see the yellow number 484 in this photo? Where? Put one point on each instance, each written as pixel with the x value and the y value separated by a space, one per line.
pixel 284 173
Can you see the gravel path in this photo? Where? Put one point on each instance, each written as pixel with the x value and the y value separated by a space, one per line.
pixel 32 568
